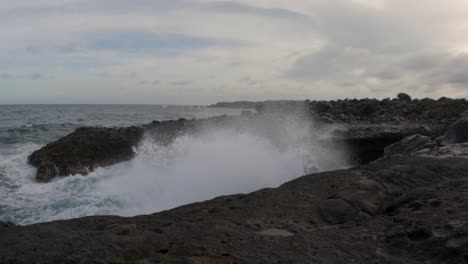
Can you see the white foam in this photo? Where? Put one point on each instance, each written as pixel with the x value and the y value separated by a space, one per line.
pixel 193 168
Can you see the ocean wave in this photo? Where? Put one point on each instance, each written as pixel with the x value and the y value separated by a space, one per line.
pixel 36 133
pixel 218 161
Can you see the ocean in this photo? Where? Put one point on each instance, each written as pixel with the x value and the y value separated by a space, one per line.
pixel 191 169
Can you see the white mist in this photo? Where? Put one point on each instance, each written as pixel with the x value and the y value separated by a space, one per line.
pixel 217 161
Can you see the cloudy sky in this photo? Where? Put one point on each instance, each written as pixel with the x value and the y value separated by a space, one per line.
pixel 203 51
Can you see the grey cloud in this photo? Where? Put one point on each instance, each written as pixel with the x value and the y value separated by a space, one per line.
pixel 346 24
pixel 102 74
pixel 33 49
pixel 422 61
pixel 70 47
pixel 350 67
pixel 36 76
pixel 332 62
pixel 276 13
pixel 181 83
pixel 451 71
pixel 248 80
pixel 5 75
pixel 174 5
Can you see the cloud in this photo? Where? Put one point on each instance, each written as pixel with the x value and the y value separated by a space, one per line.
pixel 36 76
pixel 234 50
pixel 70 47
pixel 181 83
pixel 424 70
pixel 145 41
pixel 271 12
pixel 5 75
pixel 33 49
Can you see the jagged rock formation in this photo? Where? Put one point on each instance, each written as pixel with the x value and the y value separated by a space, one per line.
pixel 84 150
pixel 458 133
pixel 409 145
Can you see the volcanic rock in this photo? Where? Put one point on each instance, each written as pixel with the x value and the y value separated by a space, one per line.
pixel 408 145
pixel 422 219
pixel 337 211
pixel 85 149
pixel 458 133
pixel 404 97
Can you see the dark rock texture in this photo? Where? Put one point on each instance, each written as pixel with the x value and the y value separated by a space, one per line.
pixel 409 145
pixel 410 209
pixel 404 97
pixel 458 133
pixel 337 211
pixel 84 150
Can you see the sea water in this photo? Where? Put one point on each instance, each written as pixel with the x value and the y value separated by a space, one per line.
pixel 191 169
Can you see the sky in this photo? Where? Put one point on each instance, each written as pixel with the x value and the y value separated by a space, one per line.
pixel 205 51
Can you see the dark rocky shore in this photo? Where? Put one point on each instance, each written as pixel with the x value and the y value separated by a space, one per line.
pixel 406 201
pixel 365 126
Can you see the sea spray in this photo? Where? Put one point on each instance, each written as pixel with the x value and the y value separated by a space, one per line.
pixel 217 160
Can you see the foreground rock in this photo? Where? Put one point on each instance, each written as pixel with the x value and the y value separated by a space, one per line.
pixel 410 209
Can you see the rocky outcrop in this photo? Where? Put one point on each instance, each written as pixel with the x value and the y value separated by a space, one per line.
pixel 88 148
pixel 443 110
pixel 408 145
pixel 409 209
pixel 458 133
pixel 84 150
pixel 367 141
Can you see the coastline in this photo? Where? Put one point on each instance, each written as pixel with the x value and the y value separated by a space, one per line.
pixel 405 208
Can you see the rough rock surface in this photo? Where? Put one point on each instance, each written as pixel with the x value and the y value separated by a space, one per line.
pixel 408 209
pixel 337 211
pixel 85 149
pixel 409 145
pixel 88 148
pixel 458 133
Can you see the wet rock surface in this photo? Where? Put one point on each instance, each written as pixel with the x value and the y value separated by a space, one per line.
pixel 84 150
pixel 88 148
pixel 410 209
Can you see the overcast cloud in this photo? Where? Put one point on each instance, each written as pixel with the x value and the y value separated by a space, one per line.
pixel 203 51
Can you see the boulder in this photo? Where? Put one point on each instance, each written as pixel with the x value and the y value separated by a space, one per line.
pixel 458 133
pixel 365 195
pixel 337 211
pixel 408 145
pixel 404 97
pixel 322 107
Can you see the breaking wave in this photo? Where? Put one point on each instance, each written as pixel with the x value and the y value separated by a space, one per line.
pixel 218 161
